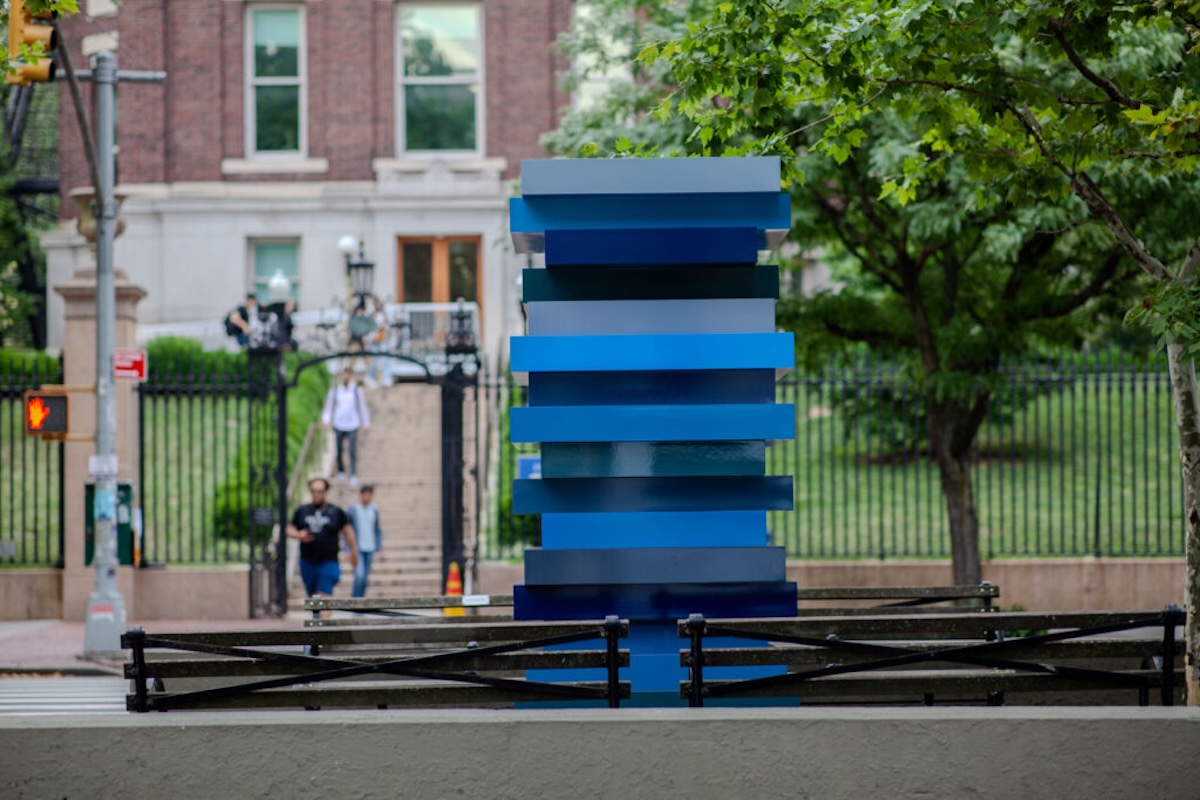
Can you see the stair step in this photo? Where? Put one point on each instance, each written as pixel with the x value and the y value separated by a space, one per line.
pixel 400 456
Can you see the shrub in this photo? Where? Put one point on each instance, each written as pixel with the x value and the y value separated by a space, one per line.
pixel 231 507
pixel 174 359
pixel 35 364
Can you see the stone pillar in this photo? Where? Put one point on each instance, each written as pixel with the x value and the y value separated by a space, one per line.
pixel 79 372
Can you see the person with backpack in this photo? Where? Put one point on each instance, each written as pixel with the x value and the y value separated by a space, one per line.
pixel 237 322
pixel 346 412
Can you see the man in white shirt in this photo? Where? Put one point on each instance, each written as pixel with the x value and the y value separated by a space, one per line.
pixel 346 412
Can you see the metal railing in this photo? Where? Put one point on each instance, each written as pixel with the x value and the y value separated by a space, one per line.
pixel 818 655
pixel 326 662
pixel 416 330
pixel 1077 458
pixel 194 430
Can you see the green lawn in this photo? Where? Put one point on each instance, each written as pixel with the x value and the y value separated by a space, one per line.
pixel 190 448
pixel 1091 468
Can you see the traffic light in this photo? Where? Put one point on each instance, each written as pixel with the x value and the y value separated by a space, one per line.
pixel 24 31
pixel 46 413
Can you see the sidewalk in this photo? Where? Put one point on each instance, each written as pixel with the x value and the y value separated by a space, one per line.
pixel 44 647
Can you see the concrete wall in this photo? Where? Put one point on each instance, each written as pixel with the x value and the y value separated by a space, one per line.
pixel 175 593
pixel 626 753
pixel 1088 584
pixel 1038 584
pixel 31 594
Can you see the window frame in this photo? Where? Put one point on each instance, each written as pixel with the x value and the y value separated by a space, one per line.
pixel 252 245
pixel 251 82
pixel 440 267
pixel 402 81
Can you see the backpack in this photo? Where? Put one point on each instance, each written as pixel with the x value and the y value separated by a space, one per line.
pixel 230 328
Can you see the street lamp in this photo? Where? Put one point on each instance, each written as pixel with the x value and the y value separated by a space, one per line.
pixel 268 455
pixel 359 270
pixel 279 288
pixel 460 339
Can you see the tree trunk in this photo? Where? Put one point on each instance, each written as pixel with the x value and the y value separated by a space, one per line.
pixel 1187 421
pixel 954 469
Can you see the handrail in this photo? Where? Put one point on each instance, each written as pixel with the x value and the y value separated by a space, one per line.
pixel 981 654
pixel 301 462
pixel 324 668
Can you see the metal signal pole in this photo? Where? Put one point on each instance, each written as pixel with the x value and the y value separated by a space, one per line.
pixel 106 606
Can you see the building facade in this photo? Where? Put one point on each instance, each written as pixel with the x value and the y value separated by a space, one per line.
pixel 283 127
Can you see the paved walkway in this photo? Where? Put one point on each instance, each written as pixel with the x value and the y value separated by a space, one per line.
pixel 55 647
pixel 43 670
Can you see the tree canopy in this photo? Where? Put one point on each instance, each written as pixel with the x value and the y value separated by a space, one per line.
pixel 992 165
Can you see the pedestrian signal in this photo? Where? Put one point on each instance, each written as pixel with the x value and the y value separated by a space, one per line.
pixel 45 413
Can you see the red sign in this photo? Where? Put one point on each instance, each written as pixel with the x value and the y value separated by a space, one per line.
pixel 129 365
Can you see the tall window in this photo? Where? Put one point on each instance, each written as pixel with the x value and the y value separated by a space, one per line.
pixel 439 270
pixel 439 70
pixel 275 99
pixel 607 65
pixel 269 256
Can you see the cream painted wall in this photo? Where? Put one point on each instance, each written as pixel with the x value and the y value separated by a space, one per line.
pixel 187 244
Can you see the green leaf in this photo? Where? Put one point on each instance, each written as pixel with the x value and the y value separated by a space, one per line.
pixel 648 55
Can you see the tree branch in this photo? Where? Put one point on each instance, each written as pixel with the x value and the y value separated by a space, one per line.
pixel 1107 86
pixel 1191 263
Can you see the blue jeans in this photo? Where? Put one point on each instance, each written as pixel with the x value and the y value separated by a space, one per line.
pixel 361 573
pixel 351 438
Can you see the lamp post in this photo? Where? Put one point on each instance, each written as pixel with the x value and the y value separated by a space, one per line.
pixel 359 270
pixel 462 368
pixel 268 449
pixel 279 289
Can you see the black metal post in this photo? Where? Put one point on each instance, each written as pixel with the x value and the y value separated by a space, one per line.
pixel 696 626
pixel 1172 616
pixel 612 632
pixel 135 639
pixel 279 578
pixel 453 385
pixel 268 478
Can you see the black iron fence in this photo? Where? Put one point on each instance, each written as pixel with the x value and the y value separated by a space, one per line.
pixel 211 426
pixel 1077 458
pixel 31 471
pixel 195 429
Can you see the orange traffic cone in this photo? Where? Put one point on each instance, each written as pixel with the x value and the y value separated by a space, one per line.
pixel 454 589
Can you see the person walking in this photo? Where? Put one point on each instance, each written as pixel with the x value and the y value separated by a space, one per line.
pixel 320 526
pixel 346 412
pixel 364 516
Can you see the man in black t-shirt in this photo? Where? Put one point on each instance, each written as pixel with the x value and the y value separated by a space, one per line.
pixel 319 526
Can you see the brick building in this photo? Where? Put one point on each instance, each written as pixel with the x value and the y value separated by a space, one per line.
pixel 283 127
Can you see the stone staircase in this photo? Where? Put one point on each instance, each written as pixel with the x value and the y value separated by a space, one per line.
pixel 400 455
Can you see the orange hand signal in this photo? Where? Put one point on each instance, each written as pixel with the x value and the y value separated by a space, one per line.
pixel 37 414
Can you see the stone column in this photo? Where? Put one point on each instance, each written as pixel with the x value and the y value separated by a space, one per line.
pixel 79 372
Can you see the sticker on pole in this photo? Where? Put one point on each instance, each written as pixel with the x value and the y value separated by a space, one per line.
pixel 129 365
pixel 103 466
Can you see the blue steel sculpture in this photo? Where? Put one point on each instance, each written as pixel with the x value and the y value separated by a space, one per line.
pixel 652 355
